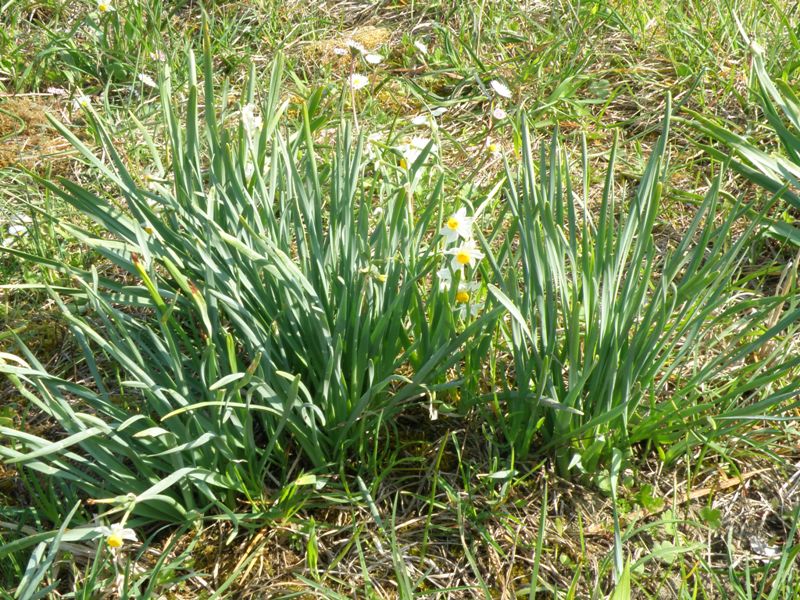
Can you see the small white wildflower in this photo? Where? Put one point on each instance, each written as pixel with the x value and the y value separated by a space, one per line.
pixel 355 47
pixel 421 120
pixel 358 81
pixel 499 114
pixel 500 89
pixel 373 59
pixel 493 148
pixel 105 6
pixel 340 51
pixel 57 91
pixel 251 120
pixel 459 225
pixel 157 56
pixel 419 45
pixel 438 112
pixel 117 534
pixel 81 101
pixel 465 255
pixel 147 80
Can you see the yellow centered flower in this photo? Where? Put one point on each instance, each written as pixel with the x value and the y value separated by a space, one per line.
pixel 114 540
pixel 462 297
pixel 103 6
pixel 493 148
pixel 453 223
pixel 463 257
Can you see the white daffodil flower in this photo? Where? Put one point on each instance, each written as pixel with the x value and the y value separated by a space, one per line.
pixel 459 225
pixel 471 308
pixel 17 226
pixel 445 278
pixel 420 143
pixel 249 170
pixel 105 6
pixel 465 255
pixel 500 88
pixel 117 535
pixel 358 81
pixel 251 120
pixel 466 289
pixel 499 114
pixel 412 150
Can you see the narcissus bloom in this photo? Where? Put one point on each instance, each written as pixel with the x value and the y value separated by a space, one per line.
pixel 17 226
pixel 411 151
pixel 251 120
pixel 465 255
pixel 445 278
pixel 358 81
pixel 117 535
pixel 458 225
pixel 464 298
pixel 105 6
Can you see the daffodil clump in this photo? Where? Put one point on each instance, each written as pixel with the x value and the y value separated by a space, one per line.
pixel 464 255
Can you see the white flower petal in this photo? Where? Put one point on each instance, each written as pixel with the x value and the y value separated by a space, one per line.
pixel 500 88
pixel 358 81
pixel 81 101
pixel 354 45
pixel 251 120
pixel 147 80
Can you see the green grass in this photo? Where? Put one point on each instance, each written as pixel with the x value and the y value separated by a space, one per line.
pixel 248 334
